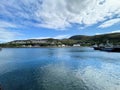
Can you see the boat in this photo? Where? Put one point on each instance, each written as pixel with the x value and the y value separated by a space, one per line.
pixel 96 47
pixel 111 49
pixel 116 49
pixel 107 47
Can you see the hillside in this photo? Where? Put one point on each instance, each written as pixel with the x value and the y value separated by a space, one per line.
pixel 39 43
pixel 113 38
pixel 83 40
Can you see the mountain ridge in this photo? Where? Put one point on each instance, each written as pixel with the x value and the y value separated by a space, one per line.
pixel 112 37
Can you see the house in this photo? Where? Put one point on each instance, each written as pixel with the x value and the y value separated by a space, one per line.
pixel 63 45
pixel 76 45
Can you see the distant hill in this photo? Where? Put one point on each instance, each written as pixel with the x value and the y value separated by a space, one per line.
pixel 112 37
pixel 83 40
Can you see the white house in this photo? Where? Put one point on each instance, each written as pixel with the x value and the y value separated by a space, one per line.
pixel 76 45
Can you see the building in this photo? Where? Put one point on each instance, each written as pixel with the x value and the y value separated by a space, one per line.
pixel 76 45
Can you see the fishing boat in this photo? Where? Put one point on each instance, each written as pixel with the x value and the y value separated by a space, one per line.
pixel 116 49
pixel 96 47
pixel 107 47
pixel 111 49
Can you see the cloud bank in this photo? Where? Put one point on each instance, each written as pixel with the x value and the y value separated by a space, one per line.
pixel 55 37
pixel 110 23
pixel 6 35
pixel 59 14
pixel 116 31
pixel 56 14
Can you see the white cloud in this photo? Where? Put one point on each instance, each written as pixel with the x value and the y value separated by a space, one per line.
pixel 40 37
pixel 55 37
pixel 6 35
pixel 109 23
pixel 62 36
pixel 60 14
pixel 116 31
pixel 4 24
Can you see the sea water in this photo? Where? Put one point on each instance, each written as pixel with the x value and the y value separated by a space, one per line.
pixel 59 69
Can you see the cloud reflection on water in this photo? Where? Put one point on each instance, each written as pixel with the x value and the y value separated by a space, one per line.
pixel 60 77
pixel 59 69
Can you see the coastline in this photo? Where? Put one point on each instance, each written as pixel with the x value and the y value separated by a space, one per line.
pixel 51 47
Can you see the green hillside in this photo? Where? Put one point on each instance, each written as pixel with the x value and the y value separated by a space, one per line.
pixel 83 40
pixel 113 38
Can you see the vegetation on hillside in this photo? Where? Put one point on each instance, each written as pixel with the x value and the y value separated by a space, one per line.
pixel 83 40
pixel 113 38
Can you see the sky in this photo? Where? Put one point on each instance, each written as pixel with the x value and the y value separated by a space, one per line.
pixel 38 19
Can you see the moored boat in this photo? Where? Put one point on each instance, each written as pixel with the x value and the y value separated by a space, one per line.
pixel 96 47
pixel 116 49
pixel 107 47
pixel 111 49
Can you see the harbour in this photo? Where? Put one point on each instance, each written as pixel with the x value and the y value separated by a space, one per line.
pixel 59 69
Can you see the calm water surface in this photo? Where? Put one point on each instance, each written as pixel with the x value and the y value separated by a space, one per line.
pixel 59 69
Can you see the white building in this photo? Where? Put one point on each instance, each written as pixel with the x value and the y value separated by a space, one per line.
pixel 76 45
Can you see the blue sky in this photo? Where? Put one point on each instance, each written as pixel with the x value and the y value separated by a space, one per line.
pixel 36 19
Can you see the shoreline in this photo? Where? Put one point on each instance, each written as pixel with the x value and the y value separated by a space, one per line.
pixel 51 47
